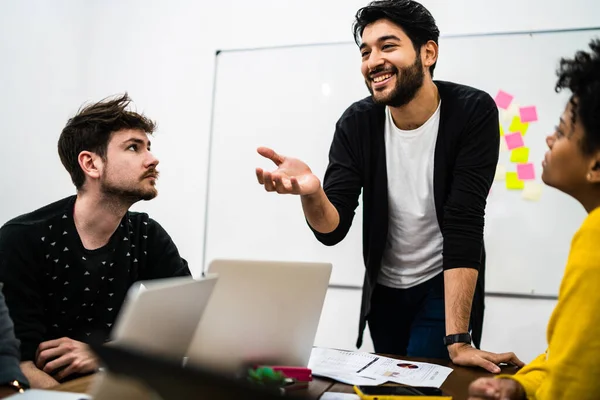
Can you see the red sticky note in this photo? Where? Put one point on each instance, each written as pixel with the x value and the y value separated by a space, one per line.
pixel 528 114
pixel 503 99
pixel 526 172
pixel 514 140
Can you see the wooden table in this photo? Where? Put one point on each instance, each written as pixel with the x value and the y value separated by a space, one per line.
pixel 456 385
pixel 79 385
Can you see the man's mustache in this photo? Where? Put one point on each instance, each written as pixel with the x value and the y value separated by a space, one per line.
pixel 151 174
pixel 380 70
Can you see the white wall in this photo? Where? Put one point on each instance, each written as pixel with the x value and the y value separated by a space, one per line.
pixel 57 55
pixel 41 82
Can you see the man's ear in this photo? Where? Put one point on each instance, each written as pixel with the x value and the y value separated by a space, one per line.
pixel 593 175
pixel 91 164
pixel 429 54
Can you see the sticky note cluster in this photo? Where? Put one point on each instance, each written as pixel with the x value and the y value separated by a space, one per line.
pixel 514 122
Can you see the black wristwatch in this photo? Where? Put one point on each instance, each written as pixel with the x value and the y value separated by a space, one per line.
pixel 457 338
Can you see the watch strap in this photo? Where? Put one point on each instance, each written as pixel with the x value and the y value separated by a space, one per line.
pixel 457 338
pixel 17 386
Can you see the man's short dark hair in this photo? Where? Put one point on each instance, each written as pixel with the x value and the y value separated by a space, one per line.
pixel 414 19
pixel 581 75
pixel 91 129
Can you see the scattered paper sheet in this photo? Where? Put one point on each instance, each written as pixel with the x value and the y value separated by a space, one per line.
pixel 526 172
pixel 37 394
pixel 513 182
pixel 528 114
pixel 339 396
pixel 357 368
pixel 503 99
pixel 514 140
pixel 518 126
pixel 501 130
pixel 532 191
pixel 520 155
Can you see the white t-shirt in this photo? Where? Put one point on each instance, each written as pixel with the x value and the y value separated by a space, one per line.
pixel 413 252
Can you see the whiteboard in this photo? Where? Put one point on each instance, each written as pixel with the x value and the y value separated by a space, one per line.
pixel 289 98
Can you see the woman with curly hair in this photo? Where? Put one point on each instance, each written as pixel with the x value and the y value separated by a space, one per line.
pixel 570 367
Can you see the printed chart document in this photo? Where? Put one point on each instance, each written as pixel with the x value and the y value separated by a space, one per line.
pixel 357 368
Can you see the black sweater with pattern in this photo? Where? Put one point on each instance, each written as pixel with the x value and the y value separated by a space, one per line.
pixel 54 287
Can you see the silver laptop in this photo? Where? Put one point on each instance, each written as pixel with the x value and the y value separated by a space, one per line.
pixel 261 312
pixel 162 315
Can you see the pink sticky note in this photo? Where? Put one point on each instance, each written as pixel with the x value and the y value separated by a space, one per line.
pixel 528 114
pixel 514 140
pixel 503 99
pixel 526 172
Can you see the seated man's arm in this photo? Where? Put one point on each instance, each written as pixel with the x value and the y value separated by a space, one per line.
pixel 37 378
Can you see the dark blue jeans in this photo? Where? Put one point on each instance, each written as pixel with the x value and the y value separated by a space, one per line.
pixel 409 322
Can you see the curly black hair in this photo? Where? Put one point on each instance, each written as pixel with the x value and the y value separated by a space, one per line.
pixel 414 19
pixel 581 75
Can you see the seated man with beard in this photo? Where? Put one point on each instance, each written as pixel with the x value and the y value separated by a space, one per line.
pixel 67 267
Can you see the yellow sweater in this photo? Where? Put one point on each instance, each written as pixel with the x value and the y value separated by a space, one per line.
pixel 570 368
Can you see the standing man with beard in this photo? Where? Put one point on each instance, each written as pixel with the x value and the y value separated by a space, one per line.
pixel 424 154
pixel 67 267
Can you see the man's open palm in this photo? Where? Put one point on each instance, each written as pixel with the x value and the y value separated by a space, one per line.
pixel 291 176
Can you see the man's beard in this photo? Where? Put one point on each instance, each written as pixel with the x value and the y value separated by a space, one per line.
pixel 128 194
pixel 408 82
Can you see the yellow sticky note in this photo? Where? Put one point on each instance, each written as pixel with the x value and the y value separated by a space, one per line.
pixel 517 126
pixel 513 182
pixel 500 173
pixel 501 130
pixel 532 191
pixel 520 155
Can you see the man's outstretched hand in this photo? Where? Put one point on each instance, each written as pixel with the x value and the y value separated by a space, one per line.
pixel 292 176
